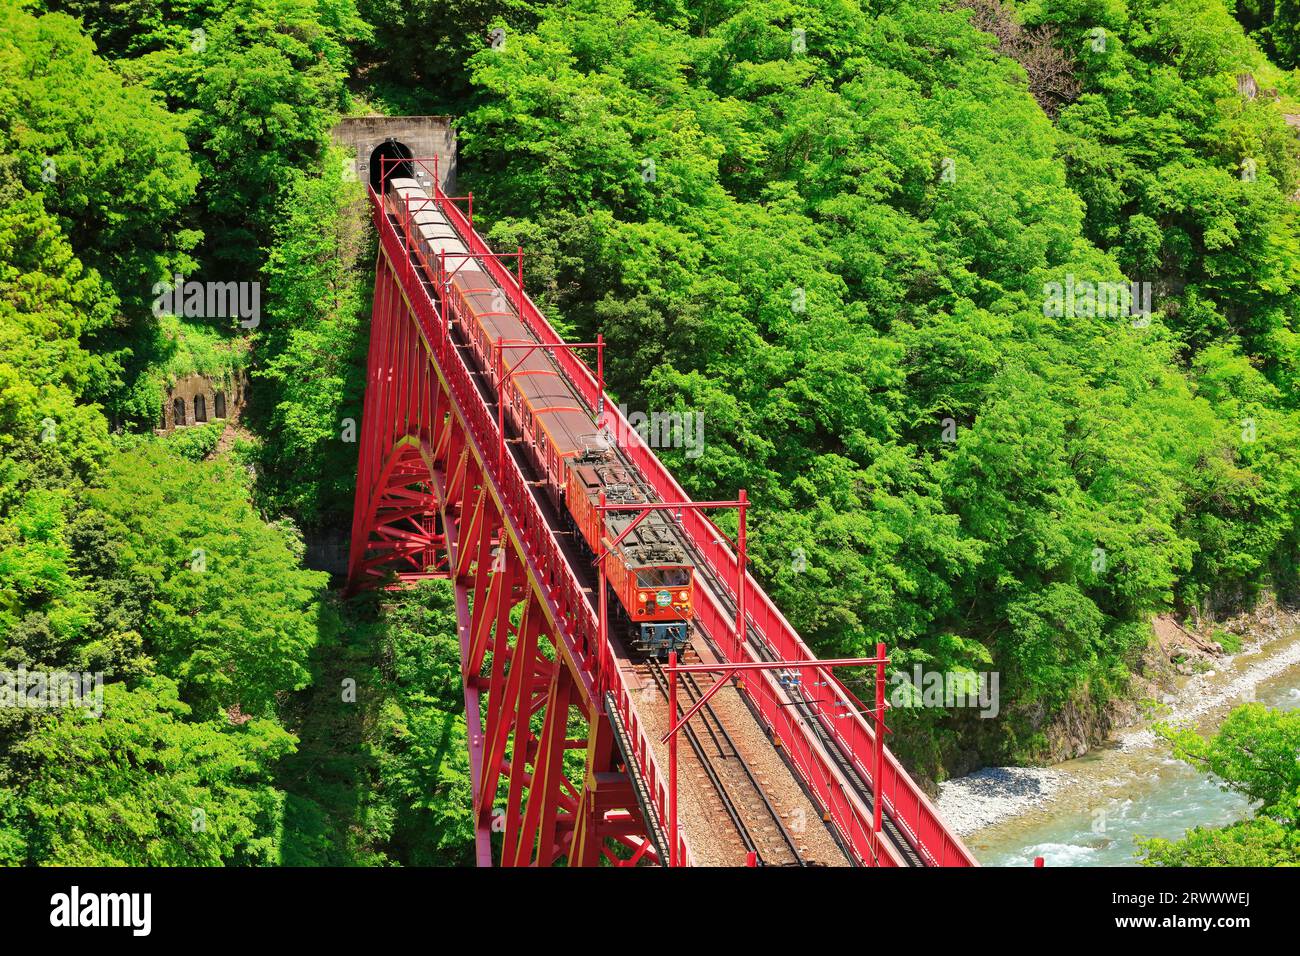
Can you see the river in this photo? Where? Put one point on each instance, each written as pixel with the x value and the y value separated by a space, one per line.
pixel 1087 812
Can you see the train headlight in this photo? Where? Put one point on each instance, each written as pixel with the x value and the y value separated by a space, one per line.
pixel 646 596
pixel 682 595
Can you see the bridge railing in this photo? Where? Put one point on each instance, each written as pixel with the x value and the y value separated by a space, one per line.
pixel 906 803
pixel 547 563
pixel 656 781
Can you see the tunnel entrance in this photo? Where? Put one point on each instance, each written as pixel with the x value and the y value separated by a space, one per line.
pixel 383 166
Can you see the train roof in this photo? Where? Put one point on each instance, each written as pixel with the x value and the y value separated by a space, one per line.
pixel 654 542
pixel 441 238
pixel 554 401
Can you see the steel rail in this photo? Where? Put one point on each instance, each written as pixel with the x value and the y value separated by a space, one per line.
pixel 710 771
pixel 694 692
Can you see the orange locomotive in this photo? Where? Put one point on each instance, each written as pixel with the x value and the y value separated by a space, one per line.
pixel 649 571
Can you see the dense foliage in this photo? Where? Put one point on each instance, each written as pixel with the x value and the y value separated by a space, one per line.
pixel 115 177
pixel 832 228
pixel 144 560
pixel 315 342
pixel 144 786
pixel 382 771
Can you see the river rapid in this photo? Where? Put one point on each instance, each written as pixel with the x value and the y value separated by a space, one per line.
pixel 1088 811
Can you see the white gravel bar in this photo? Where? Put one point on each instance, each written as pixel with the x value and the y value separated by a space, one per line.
pixel 993 794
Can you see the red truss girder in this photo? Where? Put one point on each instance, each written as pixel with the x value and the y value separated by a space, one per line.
pixel 425 506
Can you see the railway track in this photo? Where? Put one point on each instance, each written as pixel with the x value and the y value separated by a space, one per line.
pixel 756 820
pixel 812 719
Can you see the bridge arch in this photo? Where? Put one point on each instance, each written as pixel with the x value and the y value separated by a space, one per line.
pixel 405 515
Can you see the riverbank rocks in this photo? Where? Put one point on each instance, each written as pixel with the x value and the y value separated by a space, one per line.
pixel 1182 647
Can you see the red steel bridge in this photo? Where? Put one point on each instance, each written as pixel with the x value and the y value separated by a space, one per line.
pixel 564 729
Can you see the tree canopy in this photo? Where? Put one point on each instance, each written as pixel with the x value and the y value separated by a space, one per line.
pixel 996 328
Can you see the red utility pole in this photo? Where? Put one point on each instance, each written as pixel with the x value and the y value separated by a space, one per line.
pixel 743 507
pixel 878 798
pixel 672 761
pixel 603 627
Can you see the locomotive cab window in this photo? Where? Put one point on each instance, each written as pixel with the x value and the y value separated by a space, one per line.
pixel 663 577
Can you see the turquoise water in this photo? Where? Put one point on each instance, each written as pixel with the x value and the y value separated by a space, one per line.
pixel 1121 796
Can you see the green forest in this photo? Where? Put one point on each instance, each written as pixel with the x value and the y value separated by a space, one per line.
pixel 875 244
